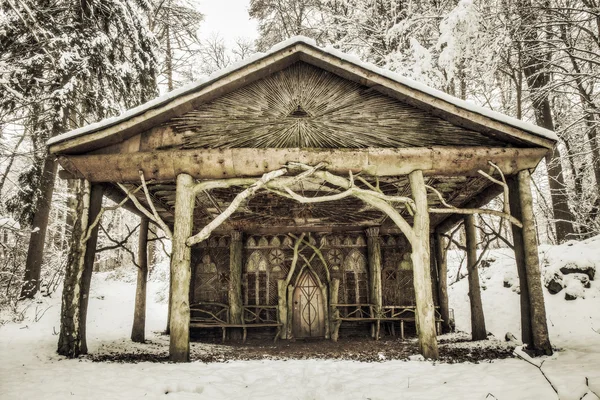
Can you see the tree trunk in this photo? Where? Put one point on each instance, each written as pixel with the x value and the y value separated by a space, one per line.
pixel 478 330
pixel 138 331
pixel 425 311
pixel 374 254
pixel 235 282
pixel 515 210
pixel 539 327
pixel 442 268
pixel 72 338
pixel 35 253
pixel 179 349
pixel 537 79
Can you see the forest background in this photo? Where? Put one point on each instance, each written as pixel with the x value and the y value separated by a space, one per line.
pixel 65 64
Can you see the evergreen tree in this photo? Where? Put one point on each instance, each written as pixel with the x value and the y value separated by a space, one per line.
pixel 66 64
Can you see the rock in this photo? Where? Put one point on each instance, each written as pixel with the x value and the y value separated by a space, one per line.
pixel 509 337
pixel 507 284
pixel 554 286
pixel 584 279
pixel 569 296
pixel 574 269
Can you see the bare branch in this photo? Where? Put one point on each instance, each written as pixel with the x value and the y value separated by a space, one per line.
pixel 100 214
pixel 234 205
pixel 144 211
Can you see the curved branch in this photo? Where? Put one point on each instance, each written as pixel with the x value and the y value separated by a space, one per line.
pixel 233 206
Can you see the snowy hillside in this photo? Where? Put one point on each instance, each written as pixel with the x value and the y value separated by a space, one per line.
pixel 30 365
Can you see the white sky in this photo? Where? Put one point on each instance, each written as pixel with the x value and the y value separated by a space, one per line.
pixel 228 18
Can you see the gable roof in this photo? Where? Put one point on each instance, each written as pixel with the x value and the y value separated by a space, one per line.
pixel 298 48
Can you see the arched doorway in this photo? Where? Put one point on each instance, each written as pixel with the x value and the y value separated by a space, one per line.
pixel 309 307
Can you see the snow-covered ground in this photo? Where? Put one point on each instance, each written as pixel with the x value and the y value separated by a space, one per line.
pixel 30 368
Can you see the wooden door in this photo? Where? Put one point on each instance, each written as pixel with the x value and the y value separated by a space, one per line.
pixel 309 310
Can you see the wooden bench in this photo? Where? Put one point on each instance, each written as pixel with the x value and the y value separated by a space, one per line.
pixel 406 314
pixel 261 317
pixel 367 313
pixel 352 313
pixel 216 315
pixel 210 315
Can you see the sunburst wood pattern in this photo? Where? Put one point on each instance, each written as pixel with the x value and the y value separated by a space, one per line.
pixel 304 106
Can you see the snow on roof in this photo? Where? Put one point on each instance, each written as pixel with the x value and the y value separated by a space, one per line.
pixel 190 88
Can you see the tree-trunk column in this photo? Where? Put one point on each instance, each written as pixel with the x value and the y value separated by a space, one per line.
pixel 539 327
pixel 78 274
pixel 35 252
pixel 374 254
pixel 515 210
pixel 179 349
pixel 138 331
pixel 425 311
pixel 478 331
pixel 235 281
pixel 442 268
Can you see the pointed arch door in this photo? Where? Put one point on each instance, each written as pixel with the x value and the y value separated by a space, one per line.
pixel 309 307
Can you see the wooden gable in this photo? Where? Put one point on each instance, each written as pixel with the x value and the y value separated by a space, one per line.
pixel 305 106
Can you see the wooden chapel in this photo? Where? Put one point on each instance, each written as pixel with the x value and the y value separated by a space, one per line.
pixel 306 193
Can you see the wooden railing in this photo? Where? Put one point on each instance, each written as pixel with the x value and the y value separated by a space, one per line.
pixel 209 313
pixel 261 315
pixel 216 315
pixel 354 312
pixel 406 313
pixel 369 313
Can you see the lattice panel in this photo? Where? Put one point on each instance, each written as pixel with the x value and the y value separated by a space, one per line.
pixel 210 271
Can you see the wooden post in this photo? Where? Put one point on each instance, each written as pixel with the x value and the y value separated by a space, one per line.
pixel 179 349
pixel 138 330
pixel 235 282
pixel 478 331
pixel 374 258
pixel 334 324
pixel 78 275
pixel 425 311
pixel 282 307
pixel 515 210
pixel 442 268
pixel 539 327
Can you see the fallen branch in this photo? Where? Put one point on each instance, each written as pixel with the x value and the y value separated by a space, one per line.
pixel 539 367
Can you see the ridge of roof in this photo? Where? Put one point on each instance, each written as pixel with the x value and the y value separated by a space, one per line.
pixel 192 87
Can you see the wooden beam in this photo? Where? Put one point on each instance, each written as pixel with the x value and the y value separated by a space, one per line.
pixel 138 330
pixel 253 162
pixel 539 326
pixel 179 348
pixel 424 311
pixel 478 331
